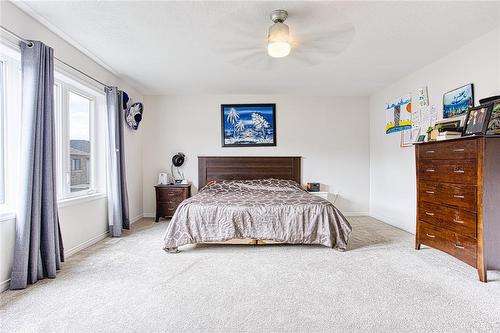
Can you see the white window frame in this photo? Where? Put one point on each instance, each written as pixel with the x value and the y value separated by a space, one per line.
pixel 3 93
pixel 11 115
pixel 63 86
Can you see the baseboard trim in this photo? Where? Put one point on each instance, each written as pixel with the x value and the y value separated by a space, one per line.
pixel 85 244
pixel 137 218
pixel 149 215
pixel 4 285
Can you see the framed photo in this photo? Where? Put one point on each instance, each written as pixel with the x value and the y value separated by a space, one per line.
pixel 458 101
pixel 248 125
pixel 477 120
pixel 494 122
pixel 421 138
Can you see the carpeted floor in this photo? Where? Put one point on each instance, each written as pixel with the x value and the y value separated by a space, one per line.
pixel 381 284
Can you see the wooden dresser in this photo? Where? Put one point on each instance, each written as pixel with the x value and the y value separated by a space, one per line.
pixel 168 197
pixel 458 199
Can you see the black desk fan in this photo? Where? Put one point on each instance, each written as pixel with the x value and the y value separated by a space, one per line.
pixel 177 161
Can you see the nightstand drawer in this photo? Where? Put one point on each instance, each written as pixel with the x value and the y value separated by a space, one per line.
pixel 169 194
pixel 167 209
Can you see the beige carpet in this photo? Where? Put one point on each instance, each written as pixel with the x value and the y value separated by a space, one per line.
pixel 381 284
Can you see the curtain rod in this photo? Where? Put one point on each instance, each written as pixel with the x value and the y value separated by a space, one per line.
pixel 30 44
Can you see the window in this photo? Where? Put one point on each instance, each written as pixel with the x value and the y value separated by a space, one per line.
pixel 78 162
pixel 80 132
pixel 79 141
pixel 10 120
pixel 2 132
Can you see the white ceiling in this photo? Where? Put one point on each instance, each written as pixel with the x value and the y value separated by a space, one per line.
pixel 342 48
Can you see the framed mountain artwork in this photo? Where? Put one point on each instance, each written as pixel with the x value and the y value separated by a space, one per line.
pixel 458 101
pixel 248 125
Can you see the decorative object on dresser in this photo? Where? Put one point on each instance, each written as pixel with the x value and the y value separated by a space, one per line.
pixel 168 198
pixel 477 120
pixel 458 193
pixel 494 121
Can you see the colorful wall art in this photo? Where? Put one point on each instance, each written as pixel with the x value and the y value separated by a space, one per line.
pixel 245 125
pixel 458 101
pixel 398 115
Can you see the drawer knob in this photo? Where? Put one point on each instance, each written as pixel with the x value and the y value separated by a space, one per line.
pixel 430 236
pixel 430 151
pixel 458 171
pixel 459 247
pixel 459 221
pixel 430 170
pixel 458 196
pixel 458 150
pixel 430 214
pixel 429 192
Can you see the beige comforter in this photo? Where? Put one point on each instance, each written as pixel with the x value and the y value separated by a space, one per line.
pixel 266 209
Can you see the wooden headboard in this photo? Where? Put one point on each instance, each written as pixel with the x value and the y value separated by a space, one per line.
pixel 248 167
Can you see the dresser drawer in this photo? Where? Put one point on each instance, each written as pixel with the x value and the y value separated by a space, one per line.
pixel 455 219
pixel 463 248
pixel 462 196
pixel 449 171
pixel 455 150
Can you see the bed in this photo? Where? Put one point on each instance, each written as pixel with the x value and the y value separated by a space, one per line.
pixel 258 198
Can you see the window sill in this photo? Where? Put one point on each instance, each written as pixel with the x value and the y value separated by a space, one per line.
pixel 80 200
pixel 6 214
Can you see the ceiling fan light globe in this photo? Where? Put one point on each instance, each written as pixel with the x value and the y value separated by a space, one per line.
pixel 278 49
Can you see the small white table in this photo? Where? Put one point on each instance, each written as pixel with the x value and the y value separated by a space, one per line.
pixel 323 195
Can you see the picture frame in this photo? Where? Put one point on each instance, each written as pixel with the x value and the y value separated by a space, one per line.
pixel 248 125
pixel 494 119
pixel 421 138
pixel 477 120
pixel 458 101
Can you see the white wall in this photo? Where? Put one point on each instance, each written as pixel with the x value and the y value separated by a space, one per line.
pixel 392 169
pixel 86 222
pixel 331 134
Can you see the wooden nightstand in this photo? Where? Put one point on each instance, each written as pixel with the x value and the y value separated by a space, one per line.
pixel 168 198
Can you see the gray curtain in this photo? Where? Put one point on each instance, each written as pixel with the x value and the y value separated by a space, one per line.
pixel 117 182
pixel 38 250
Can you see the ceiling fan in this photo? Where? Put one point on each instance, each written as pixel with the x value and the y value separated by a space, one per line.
pixel 244 45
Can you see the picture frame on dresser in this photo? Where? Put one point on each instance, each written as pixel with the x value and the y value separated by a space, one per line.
pixel 494 121
pixel 477 120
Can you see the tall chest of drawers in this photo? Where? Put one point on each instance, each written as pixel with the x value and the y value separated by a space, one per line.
pixel 458 200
